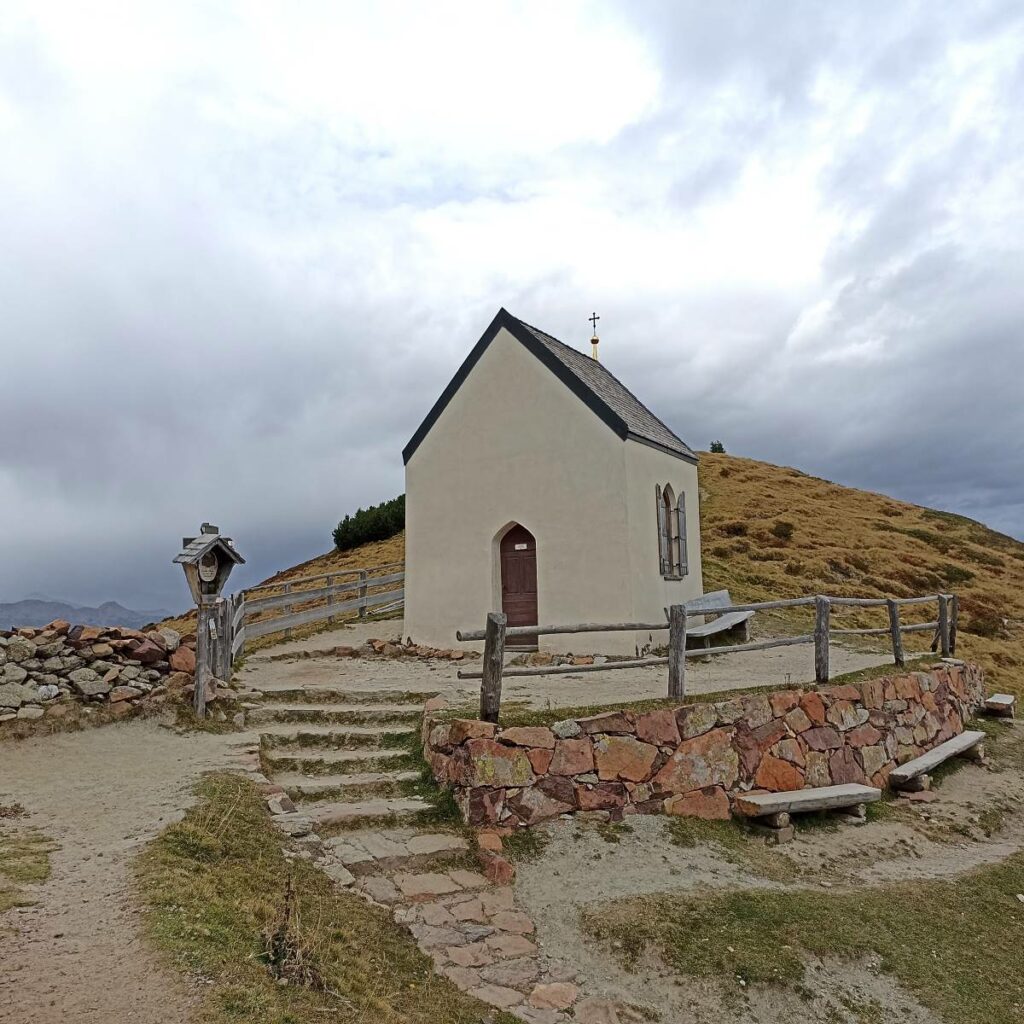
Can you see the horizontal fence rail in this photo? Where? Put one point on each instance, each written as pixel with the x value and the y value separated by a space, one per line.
pixel 281 607
pixel 497 630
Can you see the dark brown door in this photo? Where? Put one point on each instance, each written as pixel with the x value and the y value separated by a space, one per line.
pixel 519 582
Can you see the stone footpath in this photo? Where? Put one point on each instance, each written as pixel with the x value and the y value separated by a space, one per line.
pixel 338 777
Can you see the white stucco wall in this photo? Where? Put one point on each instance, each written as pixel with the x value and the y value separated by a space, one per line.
pixel 647 468
pixel 515 445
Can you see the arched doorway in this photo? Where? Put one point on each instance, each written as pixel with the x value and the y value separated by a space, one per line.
pixel 519 583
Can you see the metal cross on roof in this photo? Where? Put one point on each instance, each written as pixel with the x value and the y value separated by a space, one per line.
pixel 593 318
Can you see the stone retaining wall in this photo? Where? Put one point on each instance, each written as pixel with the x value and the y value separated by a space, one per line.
pixel 692 759
pixel 44 670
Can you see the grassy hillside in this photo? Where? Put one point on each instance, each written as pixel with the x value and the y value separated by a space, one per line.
pixel 771 532
pixel 858 544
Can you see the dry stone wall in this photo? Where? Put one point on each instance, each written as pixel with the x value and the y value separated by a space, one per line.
pixel 692 759
pixel 44 670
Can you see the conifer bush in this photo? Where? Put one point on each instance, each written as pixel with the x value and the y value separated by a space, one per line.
pixel 378 522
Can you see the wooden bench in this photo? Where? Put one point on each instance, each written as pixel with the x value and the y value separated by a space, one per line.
pixel 913 775
pixel 1001 704
pixel 706 604
pixel 771 811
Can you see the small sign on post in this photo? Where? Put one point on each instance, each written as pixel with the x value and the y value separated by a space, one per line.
pixel 207 561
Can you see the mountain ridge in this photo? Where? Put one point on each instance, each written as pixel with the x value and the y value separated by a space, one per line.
pixel 39 611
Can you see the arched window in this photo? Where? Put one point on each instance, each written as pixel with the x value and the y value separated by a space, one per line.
pixel 672 550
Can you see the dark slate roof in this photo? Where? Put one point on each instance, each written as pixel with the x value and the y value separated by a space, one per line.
pixel 194 550
pixel 641 423
pixel 588 379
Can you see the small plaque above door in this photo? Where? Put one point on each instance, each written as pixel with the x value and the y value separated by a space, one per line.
pixel 522 547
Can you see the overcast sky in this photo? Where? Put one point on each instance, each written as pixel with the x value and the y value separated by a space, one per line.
pixel 244 247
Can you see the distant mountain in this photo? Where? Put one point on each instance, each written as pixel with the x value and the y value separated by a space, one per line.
pixel 40 611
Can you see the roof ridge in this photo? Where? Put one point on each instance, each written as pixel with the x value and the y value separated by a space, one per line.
pixel 601 368
pixel 594 384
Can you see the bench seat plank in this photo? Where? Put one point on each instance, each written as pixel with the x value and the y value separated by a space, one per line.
pixel 1001 703
pixel 934 757
pixel 821 798
pixel 707 604
pixel 719 625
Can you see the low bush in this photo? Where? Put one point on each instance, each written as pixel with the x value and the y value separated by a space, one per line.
pixel 955 573
pixel 736 528
pixel 783 530
pixel 378 522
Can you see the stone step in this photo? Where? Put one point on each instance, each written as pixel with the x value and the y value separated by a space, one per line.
pixel 329 695
pixel 386 850
pixel 299 785
pixel 348 714
pixel 302 735
pixel 317 761
pixel 335 812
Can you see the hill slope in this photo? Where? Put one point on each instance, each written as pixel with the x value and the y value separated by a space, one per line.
pixel 843 542
pixel 855 543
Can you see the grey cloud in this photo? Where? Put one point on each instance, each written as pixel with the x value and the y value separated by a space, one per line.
pixel 243 316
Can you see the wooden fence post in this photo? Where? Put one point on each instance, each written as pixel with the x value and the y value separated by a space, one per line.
pixel 954 622
pixel 944 625
pixel 822 617
pixel 237 601
pixel 202 674
pixel 894 630
pixel 677 651
pixel 494 659
pixel 362 593
pixel 287 609
pixel 330 598
pixel 221 661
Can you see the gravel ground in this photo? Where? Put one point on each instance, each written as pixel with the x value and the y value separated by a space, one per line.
pixel 78 954
pixel 780 665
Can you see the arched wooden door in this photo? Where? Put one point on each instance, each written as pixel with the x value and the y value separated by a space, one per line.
pixel 519 582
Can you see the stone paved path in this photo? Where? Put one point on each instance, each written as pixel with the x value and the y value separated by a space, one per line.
pixel 336 767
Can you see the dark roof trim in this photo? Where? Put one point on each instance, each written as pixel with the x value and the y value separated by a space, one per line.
pixel 661 448
pixel 580 389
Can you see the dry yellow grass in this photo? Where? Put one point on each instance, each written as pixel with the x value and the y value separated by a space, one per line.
pixel 855 543
pixel 843 542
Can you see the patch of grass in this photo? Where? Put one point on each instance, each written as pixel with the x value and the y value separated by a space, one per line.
pixel 24 860
pixel 956 945
pixel 613 831
pixel 737 845
pixel 879 671
pixel 525 844
pixel 279 943
pixel 512 714
pixel 185 718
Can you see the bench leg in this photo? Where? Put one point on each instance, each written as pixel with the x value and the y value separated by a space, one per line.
pixel 918 784
pixel 975 754
pixel 854 815
pixel 774 836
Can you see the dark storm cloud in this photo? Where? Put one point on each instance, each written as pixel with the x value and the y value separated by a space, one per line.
pixel 237 269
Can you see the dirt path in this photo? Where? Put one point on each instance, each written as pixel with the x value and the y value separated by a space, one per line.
pixel 781 665
pixel 78 955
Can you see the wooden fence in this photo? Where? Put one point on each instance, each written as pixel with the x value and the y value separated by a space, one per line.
pixel 280 607
pixel 496 631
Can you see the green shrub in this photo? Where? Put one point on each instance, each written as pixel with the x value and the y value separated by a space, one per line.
pixel 378 522
pixel 955 573
pixel 717 447
pixel 734 529
pixel 783 530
